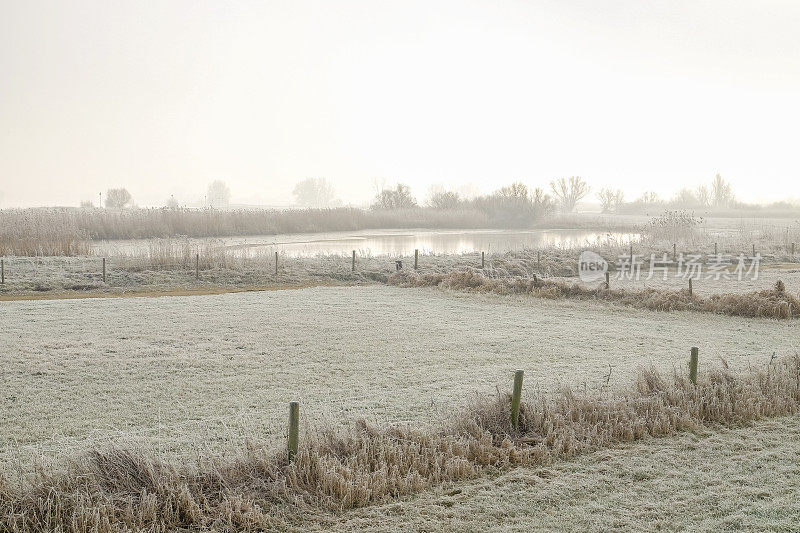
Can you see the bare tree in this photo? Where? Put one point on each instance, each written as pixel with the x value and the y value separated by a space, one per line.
pixel 117 198
pixel 703 196
pixel 649 197
pixel 219 195
pixel 172 203
pixel 444 200
pixel 313 192
pixel 569 191
pixel 610 200
pixel 721 192
pixel 397 198
pixel 516 190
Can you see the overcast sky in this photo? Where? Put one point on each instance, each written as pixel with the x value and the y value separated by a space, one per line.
pixel 164 97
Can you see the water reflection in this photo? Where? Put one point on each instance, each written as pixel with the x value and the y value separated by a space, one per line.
pixel 440 242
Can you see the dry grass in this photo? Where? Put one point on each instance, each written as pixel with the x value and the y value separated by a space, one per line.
pixel 118 489
pixel 770 303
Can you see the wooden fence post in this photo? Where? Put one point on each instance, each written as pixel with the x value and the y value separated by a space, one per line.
pixel 792 248
pixel 354 261
pixel 631 257
pixel 715 249
pixel 276 263
pixel 416 259
pixel 104 270
pixel 539 261
pixel 516 397
pixel 197 266
pixel 483 259
pixel 3 271
pixel 294 429
pixel 690 286
pixel 608 278
pixel 674 254
pixel 693 365
pixel 754 249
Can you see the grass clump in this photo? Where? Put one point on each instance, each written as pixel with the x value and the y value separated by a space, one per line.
pixel 124 489
pixel 770 303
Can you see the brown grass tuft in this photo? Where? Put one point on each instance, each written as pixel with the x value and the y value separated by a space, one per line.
pixel 117 489
pixel 771 303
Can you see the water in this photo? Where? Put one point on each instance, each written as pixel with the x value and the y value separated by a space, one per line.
pixel 440 242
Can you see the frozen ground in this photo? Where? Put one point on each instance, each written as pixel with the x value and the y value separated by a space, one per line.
pixel 184 373
pixel 741 479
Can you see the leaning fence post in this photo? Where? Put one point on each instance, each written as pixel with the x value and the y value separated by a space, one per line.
pixel 294 429
pixel 416 259
pixel 104 270
pixel 483 259
pixel 197 266
pixel 693 366
pixel 516 396
pixel 354 261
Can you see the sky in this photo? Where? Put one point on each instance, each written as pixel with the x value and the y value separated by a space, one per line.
pixel 164 97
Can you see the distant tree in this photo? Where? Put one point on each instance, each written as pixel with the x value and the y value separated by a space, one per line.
pixel 444 200
pixel 610 200
pixel 313 192
pixel 117 198
pixel 569 191
pixel 378 185
pixel 721 192
pixel 685 198
pixel 397 198
pixel 703 196
pixel 516 190
pixel 172 203
pixel 218 195
pixel 86 204
pixel 648 197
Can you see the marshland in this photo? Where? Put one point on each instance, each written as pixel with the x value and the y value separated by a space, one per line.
pixel 399 266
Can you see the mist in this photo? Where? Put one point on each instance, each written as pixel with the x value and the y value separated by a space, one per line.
pixel 165 98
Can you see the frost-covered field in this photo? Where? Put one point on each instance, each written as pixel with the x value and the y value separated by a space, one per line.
pixel 179 374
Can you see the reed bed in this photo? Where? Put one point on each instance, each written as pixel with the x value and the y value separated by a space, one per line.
pixel 772 303
pixel 118 489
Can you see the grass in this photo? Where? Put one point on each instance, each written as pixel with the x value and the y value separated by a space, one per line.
pixel 770 303
pixel 115 488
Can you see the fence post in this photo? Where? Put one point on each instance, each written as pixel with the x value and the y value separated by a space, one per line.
pixel 276 263
pixel 539 261
pixel 3 271
pixel 674 254
pixel 715 249
pixel 104 270
pixel 354 261
pixel 608 284
pixel 294 429
pixel 792 248
pixel 416 259
pixel 483 259
pixel 197 266
pixel 631 257
pixel 754 249
pixel 690 286
pixel 693 365
pixel 516 396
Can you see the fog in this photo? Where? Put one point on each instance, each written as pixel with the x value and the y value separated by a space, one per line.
pixel 164 98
